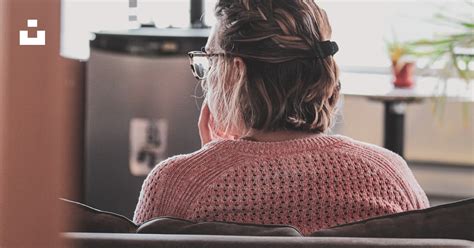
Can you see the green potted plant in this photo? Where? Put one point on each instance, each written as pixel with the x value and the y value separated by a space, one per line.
pixel 454 51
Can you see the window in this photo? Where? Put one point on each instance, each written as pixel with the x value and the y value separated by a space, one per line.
pixel 360 27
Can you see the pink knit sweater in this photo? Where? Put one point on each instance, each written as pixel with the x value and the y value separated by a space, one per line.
pixel 311 183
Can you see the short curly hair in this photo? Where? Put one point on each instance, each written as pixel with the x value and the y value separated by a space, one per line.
pixel 282 88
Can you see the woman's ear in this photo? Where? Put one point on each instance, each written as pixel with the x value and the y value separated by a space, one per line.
pixel 239 66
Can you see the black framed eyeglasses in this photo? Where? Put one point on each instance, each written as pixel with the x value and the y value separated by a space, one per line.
pixel 200 63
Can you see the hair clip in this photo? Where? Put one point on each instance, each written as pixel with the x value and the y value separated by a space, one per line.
pixel 325 49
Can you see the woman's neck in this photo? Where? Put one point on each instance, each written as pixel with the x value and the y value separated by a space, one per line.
pixel 277 136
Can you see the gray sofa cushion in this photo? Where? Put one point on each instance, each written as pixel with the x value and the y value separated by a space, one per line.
pixel 87 219
pixel 169 225
pixel 449 221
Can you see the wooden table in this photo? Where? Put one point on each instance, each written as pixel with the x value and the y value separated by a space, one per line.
pixel 379 87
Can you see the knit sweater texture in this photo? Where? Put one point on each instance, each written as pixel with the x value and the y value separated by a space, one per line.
pixel 311 183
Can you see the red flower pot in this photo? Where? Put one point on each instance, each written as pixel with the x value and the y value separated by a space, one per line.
pixel 404 75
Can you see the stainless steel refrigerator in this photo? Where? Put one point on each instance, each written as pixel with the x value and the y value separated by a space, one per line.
pixel 141 107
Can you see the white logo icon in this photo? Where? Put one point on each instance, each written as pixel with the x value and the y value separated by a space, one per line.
pixel 39 40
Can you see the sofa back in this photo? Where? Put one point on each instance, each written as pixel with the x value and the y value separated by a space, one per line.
pixel 446 226
pixel 93 240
